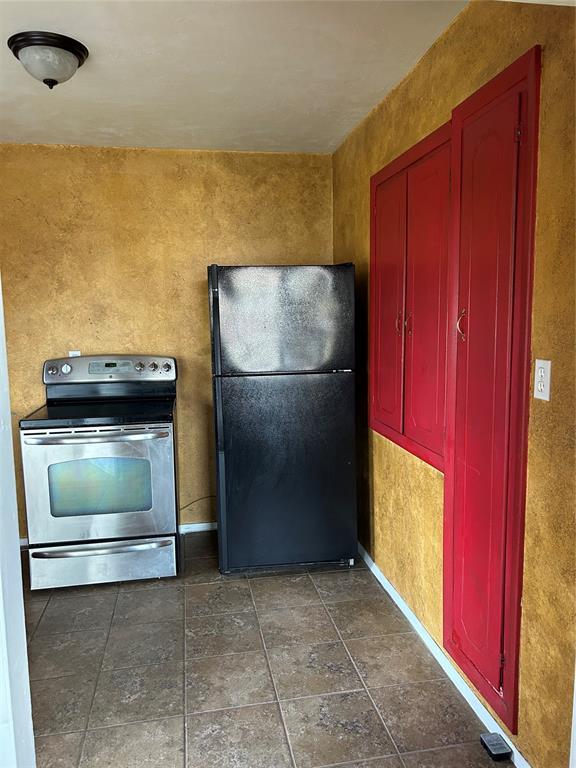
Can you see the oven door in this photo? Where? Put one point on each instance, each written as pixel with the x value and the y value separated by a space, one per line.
pixel 99 483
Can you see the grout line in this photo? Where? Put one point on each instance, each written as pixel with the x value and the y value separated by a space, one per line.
pixel 112 626
pixel 88 676
pixel 33 633
pixel 97 680
pixel 360 689
pixel 235 706
pixel 56 596
pixel 377 637
pixel 347 764
pixel 379 715
pixel 271 576
pixel 448 746
pixel 411 682
pixel 292 756
pixel 128 724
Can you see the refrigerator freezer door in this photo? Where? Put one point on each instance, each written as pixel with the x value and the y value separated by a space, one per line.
pixel 283 319
pixel 286 469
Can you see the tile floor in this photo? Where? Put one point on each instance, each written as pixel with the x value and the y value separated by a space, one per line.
pixel 290 669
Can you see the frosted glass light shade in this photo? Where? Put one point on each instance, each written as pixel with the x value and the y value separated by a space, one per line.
pixel 45 62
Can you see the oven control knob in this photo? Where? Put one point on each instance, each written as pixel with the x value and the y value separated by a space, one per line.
pixel 53 370
pixel 66 369
pixel 139 366
pixel 167 367
pixel 153 366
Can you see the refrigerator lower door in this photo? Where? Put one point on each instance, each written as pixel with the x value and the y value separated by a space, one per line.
pixel 286 469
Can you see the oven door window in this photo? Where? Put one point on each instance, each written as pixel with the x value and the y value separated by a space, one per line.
pixel 100 486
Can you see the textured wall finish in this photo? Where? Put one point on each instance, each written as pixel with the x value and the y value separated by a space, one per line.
pixel 105 250
pixel 407 495
pixel 482 41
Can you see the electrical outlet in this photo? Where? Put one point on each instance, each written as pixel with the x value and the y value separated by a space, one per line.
pixel 542 374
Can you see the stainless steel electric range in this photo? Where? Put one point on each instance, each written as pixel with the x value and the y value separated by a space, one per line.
pixel 99 471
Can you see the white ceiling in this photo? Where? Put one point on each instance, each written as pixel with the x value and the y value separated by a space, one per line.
pixel 292 75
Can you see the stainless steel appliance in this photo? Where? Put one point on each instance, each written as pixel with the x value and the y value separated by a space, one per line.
pixel 99 471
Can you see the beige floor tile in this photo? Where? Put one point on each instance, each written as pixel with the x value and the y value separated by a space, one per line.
pixel 66 654
pixel 368 618
pixel 212 599
pixel 149 605
pixel 217 682
pixel 426 715
pixel 464 756
pixel 349 585
pixel 222 634
pixel 305 624
pixel 334 729
pixel 400 658
pixel 308 670
pixel 248 737
pixel 158 744
pixel 283 591
pixel 60 751
pixel 131 645
pixel 138 693
pixel 61 704
pixel 73 614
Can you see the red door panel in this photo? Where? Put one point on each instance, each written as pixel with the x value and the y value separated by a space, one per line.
pixel 483 368
pixel 388 276
pixel 425 367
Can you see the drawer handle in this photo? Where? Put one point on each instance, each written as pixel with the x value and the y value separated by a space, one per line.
pixel 458 327
pixel 81 439
pixel 109 550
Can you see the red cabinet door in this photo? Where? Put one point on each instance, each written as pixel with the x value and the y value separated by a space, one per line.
pixel 489 161
pixel 426 289
pixel 387 312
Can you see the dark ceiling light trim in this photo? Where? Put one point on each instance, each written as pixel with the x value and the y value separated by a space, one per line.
pixel 51 40
pixel 25 39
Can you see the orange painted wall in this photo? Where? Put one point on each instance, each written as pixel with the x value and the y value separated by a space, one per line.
pixel 402 523
pixel 105 250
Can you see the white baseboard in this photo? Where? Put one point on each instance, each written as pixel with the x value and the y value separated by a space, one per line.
pixel 474 702
pixel 195 527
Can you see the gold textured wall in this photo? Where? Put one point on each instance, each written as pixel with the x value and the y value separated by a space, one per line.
pixel 105 250
pixel 403 527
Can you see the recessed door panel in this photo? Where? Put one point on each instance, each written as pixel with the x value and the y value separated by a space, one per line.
pixel 427 244
pixel 483 371
pixel 388 297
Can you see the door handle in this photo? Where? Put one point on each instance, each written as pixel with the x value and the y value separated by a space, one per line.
pixel 111 549
pixel 459 327
pixel 399 323
pixel 129 437
pixel 411 328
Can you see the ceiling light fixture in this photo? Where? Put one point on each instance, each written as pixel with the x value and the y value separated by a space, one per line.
pixel 48 56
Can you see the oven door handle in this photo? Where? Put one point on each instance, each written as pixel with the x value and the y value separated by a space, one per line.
pixel 110 549
pixel 129 437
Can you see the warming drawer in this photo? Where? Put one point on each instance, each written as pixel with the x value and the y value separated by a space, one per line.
pixel 97 563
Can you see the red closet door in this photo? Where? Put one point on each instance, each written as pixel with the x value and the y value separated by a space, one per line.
pixel 388 274
pixel 489 157
pixel 425 368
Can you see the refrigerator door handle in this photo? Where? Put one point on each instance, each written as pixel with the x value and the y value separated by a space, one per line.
pixel 215 319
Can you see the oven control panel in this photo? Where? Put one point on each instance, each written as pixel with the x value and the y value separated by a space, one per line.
pixel 105 368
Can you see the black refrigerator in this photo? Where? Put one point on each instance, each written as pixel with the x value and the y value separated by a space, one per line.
pixel 283 385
